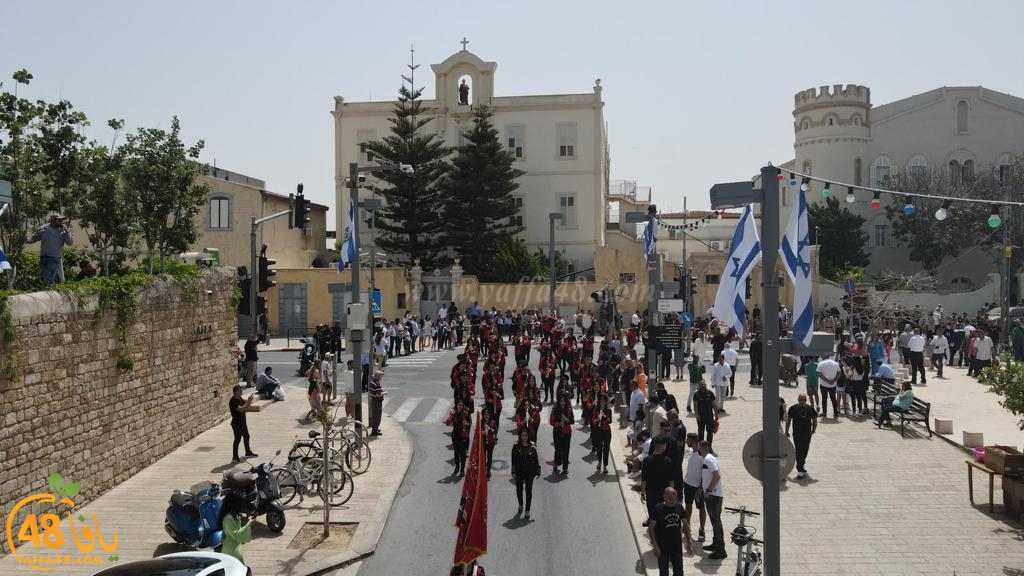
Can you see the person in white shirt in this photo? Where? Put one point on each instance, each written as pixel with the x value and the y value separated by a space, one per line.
pixel 732 358
pixel 885 374
pixel 828 380
pixel 326 381
pixel 916 347
pixel 636 402
pixel 983 350
pixel 700 347
pixel 692 483
pixel 635 320
pixel 940 346
pixel 720 375
pixel 713 493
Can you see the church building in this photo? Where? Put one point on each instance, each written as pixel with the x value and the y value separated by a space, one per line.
pixel 558 140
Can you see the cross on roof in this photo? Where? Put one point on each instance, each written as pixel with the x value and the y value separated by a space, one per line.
pixel 464 42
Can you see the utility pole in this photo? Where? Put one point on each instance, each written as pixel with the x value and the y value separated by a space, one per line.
pixel 650 350
pixel 684 279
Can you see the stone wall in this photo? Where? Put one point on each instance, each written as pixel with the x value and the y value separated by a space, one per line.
pixel 73 411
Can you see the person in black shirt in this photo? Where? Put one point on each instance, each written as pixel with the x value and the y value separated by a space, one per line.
pixel 525 467
pixel 718 343
pixel 667 528
pixel 238 409
pixel 250 360
pixel 655 475
pixel 804 419
pixel 704 406
pixel 756 361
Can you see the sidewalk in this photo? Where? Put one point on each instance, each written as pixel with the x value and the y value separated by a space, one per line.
pixel 135 508
pixel 873 502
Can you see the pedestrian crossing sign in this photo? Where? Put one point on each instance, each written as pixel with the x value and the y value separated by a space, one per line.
pixel 375 302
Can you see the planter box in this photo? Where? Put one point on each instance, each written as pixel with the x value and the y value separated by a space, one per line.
pixel 1005 460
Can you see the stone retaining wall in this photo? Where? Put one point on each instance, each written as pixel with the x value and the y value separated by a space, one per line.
pixel 73 411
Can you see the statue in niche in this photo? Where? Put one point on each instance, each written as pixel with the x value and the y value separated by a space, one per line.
pixel 463 93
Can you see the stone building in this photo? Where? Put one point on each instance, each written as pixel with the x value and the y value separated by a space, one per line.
pixel 955 132
pixel 559 140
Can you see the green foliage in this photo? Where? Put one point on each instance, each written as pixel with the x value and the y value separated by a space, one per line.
pixel 125 362
pixel 411 225
pixel 841 238
pixel 512 262
pixel 478 197
pixel 561 264
pixel 159 177
pixel 10 373
pixel 1007 380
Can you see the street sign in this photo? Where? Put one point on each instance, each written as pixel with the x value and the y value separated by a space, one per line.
pixel 669 336
pixel 753 455
pixel 850 286
pixel 666 305
pixel 375 307
pixel 687 318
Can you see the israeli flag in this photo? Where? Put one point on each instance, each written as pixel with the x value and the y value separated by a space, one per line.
pixel 5 264
pixel 349 251
pixel 650 240
pixel 744 254
pixel 796 257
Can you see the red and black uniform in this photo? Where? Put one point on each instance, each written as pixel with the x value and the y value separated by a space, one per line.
pixel 601 427
pixel 490 436
pixel 460 439
pixel 561 420
pixel 547 376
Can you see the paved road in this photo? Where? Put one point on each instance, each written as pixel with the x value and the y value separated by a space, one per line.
pixel 578 524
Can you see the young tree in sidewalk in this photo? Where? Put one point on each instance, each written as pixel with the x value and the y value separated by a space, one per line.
pixel 411 224
pixel 479 206
pixel 159 176
pixel 842 239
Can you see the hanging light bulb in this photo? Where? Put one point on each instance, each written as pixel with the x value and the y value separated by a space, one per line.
pixel 825 192
pixel 804 183
pixel 875 202
pixel 995 221
pixel 942 213
pixel 781 177
pixel 908 208
pixel 850 198
pixel 792 179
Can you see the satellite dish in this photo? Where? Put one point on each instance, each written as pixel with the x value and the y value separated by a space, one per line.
pixel 752 455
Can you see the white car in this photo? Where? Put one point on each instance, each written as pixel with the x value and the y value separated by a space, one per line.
pixel 181 564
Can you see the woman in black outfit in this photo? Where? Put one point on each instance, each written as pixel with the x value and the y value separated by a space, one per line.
pixel 562 419
pixel 460 437
pixel 601 425
pixel 525 467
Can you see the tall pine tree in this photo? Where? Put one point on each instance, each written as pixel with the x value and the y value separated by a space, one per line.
pixel 411 222
pixel 479 205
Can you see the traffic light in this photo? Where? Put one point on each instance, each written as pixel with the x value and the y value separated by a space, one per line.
pixel 300 210
pixel 681 292
pixel 261 305
pixel 598 296
pixel 846 303
pixel 747 295
pixel 265 273
pixel 244 302
pixel 693 283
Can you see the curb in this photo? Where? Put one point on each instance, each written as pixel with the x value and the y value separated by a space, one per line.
pixel 625 489
pixel 365 543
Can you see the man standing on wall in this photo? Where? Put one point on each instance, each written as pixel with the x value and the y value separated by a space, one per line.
pixel 239 427
pixel 54 236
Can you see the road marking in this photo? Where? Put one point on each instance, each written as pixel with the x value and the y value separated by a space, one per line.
pixel 439 411
pixel 406 409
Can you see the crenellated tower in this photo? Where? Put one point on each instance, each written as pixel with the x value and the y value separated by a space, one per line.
pixel 832 126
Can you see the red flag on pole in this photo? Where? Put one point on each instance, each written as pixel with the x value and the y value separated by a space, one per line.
pixel 471 521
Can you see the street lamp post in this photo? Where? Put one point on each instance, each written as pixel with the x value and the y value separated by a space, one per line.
pixel 650 217
pixel 552 217
pixel 356 336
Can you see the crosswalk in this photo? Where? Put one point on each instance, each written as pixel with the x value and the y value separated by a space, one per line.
pixel 415 361
pixel 435 410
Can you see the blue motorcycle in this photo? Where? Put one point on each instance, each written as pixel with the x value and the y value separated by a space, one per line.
pixel 194 518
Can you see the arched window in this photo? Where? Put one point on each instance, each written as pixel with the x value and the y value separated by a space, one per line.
pixel 968 171
pixel 880 232
pixel 805 124
pixel 881 169
pixel 856 120
pixel 918 167
pixel 961 116
pixel 858 172
pixel 807 167
pixel 1003 167
pixel 955 174
pixel 961 283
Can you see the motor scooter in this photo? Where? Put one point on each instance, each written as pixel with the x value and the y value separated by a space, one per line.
pixel 255 493
pixel 308 354
pixel 194 518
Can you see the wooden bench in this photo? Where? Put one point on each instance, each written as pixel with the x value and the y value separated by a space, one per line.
pixel 919 410
pixel 879 392
pixel 971 465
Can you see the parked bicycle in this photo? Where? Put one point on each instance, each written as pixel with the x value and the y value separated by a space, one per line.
pixel 748 559
pixel 346 447
pixel 304 474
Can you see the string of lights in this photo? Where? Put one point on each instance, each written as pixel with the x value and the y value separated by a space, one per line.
pixel 995 219
pixel 692 226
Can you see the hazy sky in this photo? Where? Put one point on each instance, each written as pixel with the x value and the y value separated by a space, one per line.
pixel 696 92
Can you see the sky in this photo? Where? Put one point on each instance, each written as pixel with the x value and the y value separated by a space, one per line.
pixel 695 92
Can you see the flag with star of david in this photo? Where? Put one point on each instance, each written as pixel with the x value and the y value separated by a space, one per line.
pixel 796 258
pixel 744 254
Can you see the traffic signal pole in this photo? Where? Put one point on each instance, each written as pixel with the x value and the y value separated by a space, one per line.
pixel 254 266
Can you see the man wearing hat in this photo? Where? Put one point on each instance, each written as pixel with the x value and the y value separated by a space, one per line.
pixel 54 236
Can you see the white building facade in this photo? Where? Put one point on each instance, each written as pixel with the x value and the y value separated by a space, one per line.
pixel 841 136
pixel 558 140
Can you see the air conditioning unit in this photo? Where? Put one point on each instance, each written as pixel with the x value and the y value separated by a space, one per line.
pixel 307 232
pixel 716 244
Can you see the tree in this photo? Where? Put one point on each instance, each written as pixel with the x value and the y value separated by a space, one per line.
pixel 159 177
pixel 512 262
pixel 841 238
pixel 1007 380
pixel 479 205
pixel 931 241
pixel 412 219
pixel 561 264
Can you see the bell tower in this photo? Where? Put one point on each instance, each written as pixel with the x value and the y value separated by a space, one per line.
pixel 463 66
